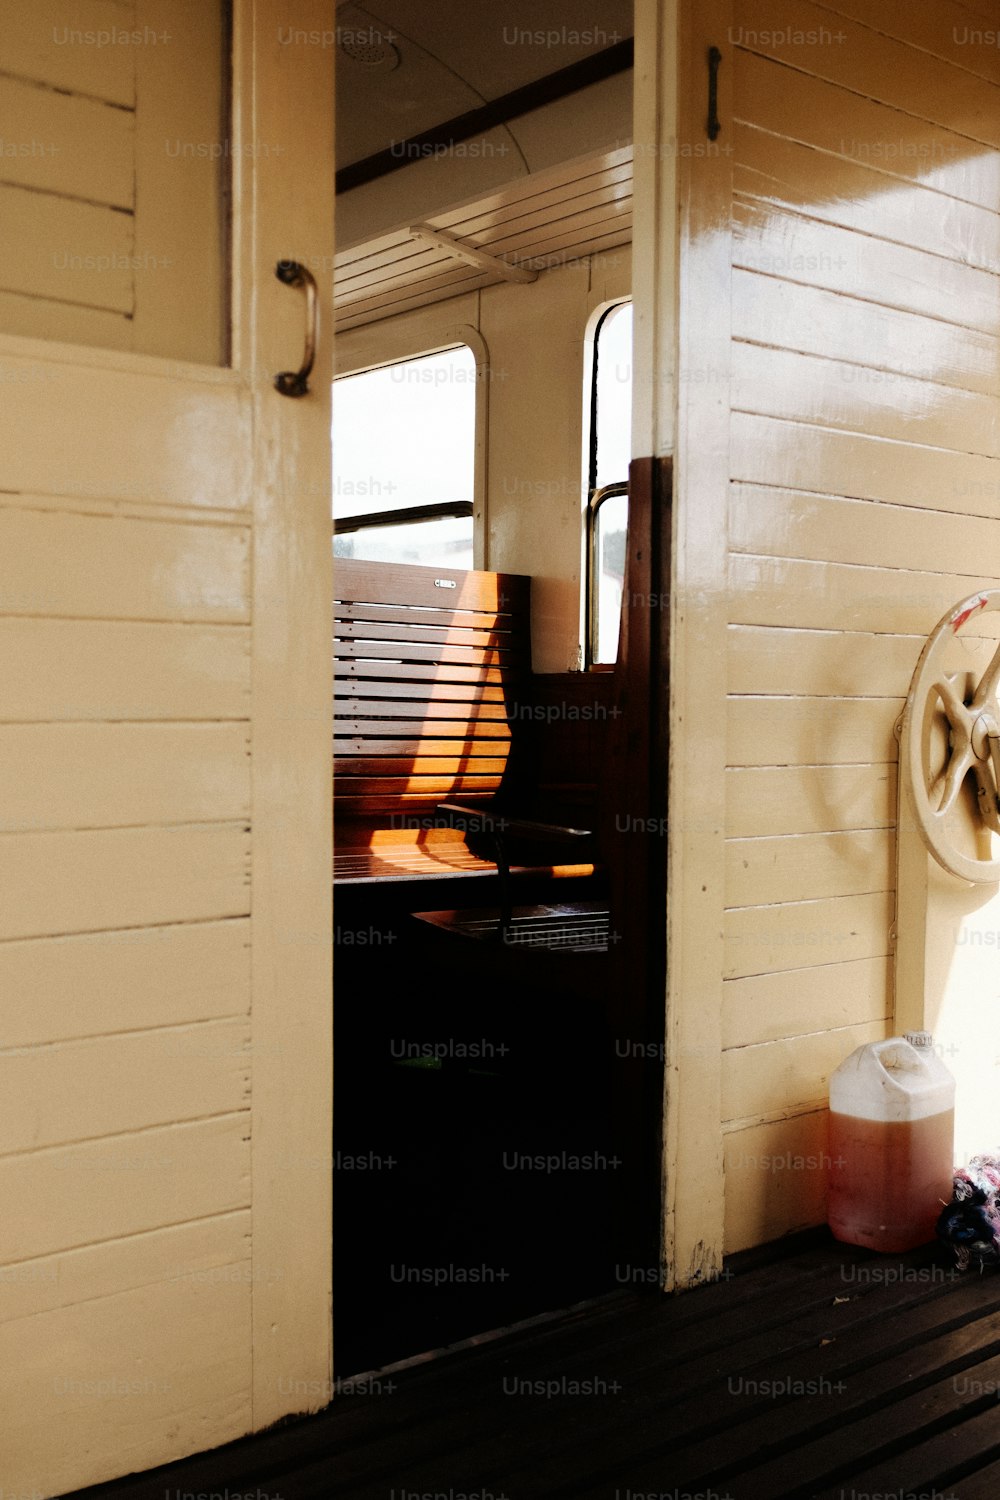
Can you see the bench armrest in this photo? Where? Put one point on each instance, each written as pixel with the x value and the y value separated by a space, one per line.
pixel 476 820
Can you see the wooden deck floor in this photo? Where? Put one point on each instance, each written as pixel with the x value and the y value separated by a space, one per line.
pixel 826 1372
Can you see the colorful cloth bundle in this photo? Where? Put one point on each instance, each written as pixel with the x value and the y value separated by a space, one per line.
pixel 971 1222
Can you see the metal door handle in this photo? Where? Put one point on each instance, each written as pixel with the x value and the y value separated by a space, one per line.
pixel 296 382
pixel 714 59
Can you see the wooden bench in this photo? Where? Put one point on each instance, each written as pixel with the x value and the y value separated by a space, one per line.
pixel 433 733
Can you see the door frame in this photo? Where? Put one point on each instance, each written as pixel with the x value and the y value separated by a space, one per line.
pixel 292 813
pixel 681 275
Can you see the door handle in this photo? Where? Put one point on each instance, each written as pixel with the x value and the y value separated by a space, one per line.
pixel 714 59
pixel 296 382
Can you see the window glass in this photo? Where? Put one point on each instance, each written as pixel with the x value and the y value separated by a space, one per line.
pixel 614 396
pixel 444 542
pixel 404 438
pixel 610 529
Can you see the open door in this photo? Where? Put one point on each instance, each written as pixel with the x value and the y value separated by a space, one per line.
pixel 165 1067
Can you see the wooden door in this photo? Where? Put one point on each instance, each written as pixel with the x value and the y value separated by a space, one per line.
pixel 837 462
pixel 165 1037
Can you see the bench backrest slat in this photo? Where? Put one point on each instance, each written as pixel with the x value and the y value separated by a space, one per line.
pixel 428 665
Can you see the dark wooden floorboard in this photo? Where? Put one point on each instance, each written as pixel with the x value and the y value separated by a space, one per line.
pixel 983 1485
pixel 827 1373
pixel 736 1421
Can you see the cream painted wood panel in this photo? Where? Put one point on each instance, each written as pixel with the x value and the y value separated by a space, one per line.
pixel 106 72
pixel 90 257
pixel 774 382
pixel 775 1178
pixel 121 981
pixel 162 1076
pixel 804 866
pixel 768 800
pixel 92 669
pixel 65 144
pixel 182 281
pixel 810 731
pixel 813 663
pixel 181 1253
pixel 75 776
pixel 830 325
pixel 74 1195
pixel 757 1080
pixel 790 104
pixel 802 934
pixel 774 452
pixel 56 883
pixel 28 316
pixel 62 565
pixel 770 1007
pixel 833 189
pixel 942 29
pixel 825 596
pixel 787 523
pixel 144 1397
pixel 867 62
pixel 797 249
pixel 161 426
pixel 137 133
pixel 810 662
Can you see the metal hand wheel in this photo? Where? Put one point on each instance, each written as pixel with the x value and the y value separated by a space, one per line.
pixel 950 747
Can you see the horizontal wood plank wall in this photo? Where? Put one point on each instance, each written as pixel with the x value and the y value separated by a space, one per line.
pixel 125 704
pixel 89 108
pixel 864 500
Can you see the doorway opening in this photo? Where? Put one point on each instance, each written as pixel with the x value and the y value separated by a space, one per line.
pixel 490 1162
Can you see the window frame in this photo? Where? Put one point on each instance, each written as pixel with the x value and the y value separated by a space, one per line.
pixel 596 496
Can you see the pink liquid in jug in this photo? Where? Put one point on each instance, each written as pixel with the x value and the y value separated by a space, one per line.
pixel 889 1179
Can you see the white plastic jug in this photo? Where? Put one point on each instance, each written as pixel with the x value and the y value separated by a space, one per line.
pixel 892 1126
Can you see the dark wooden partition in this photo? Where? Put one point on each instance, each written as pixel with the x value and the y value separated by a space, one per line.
pixel 634 841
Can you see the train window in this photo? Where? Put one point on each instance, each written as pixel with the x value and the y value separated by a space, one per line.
pixel 610 447
pixel 404 444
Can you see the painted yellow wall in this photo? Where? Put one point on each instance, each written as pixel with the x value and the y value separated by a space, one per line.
pixel 857 483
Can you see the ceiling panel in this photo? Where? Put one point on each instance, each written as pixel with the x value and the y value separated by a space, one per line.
pixel 572 210
pixel 432 61
pixel 497 47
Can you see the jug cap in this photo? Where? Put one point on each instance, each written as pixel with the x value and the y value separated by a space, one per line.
pixel 919 1038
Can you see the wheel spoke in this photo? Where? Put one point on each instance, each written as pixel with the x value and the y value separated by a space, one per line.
pixel 959 717
pixel 986 692
pixel 958 768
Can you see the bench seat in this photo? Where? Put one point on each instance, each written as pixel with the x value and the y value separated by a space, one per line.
pixel 372 865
